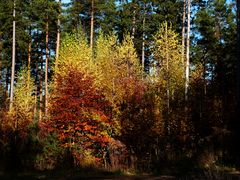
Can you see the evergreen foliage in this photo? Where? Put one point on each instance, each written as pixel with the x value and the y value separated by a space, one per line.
pixel 119 103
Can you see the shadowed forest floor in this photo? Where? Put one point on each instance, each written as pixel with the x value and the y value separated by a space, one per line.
pixel 88 174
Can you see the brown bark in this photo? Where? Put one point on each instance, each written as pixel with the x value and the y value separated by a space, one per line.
pixel 187 49
pixel 238 58
pixel 46 72
pixel 134 20
pixel 29 60
pixel 143 37
pixel 40 91
pixel 183 31
pixel 13 58
pixel 58 35
pixel 7 82
pixel 36 80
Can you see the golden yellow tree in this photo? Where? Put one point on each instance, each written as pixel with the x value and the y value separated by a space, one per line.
pixel 21 114
pixel 118 67
pixel 170 69
pixel 75 52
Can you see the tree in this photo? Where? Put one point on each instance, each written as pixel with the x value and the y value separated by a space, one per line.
pixel 13 57
pixel 78 115
pixel 75 51
pixel 46 68
pixel 211 48
pixel 187 49
pixel 183 30
pixel 238 55
pixel 21 114
pixel 92 24
pixel 167 53
pixel 58 33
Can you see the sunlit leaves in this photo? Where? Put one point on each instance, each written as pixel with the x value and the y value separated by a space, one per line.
pixel 168 55
pixel 78 112
pixel 74 52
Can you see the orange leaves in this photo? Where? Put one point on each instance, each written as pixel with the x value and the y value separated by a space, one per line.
pixel 78 115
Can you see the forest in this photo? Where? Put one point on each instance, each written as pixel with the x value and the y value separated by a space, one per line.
pixel 120 88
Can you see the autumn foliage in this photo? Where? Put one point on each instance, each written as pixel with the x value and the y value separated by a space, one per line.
pixel 79 115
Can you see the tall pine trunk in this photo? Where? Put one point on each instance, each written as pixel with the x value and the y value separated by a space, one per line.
pixel 29 58
pixel 184 123
pixel 46 71
pixel 187 50
pixel 36 91
pixel 41 90
pixel 238 58
pixel 143 37
pixel 168 84
pixel 183 31
pixel 36 81
pixel 13 57
pixel 92 24
pixel 58 35
pixel 7 82
pixel 1 66
pixel 134 21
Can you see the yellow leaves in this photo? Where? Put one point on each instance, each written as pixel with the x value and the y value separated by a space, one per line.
pixel 23 96
pixel 74 52
pixel 19 117
pixel 114 63
pixel 198 74
pixel 168 54
pixel 126 53
pixel 111 65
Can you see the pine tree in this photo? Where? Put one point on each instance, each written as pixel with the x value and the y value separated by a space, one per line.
pixel 238 57
pixel 58 32
pixel 187 66
pixel 13 55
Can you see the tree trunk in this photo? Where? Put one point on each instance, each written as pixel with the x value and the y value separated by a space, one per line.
pixel 36 81
pixel 143 37
pixel 187 50
pixel 40 91
pixel 238 58
pixel 46 72
pixel 134 20
pixel 13 58
pixel 168 84
pixel 29 59
pixel 183 31
pixel 7 82
pixel 58 35
pixel 1 65
pixel 92 25
pixel 36 91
